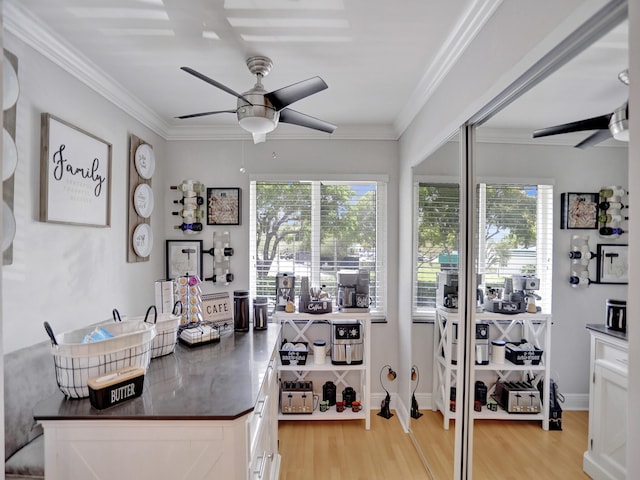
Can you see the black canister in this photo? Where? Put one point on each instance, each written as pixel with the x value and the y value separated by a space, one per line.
pixel 480 394
pixel 329 393
pixel 260 313
pixel 241 310
pixel 349 396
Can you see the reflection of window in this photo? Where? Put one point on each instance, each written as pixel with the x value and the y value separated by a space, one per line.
pixel 315 229
pixel 514 237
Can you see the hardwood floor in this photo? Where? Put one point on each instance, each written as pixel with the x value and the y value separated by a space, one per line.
pixel 331 450
pixel 502 449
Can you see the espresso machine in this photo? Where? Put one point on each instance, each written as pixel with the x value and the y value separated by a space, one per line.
pixel 353 290
pixel 285 290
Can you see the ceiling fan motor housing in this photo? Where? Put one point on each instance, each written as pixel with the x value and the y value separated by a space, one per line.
pixel 259 116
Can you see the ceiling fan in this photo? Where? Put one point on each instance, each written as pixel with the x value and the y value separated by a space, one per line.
pixel 614 124
pixel 258 111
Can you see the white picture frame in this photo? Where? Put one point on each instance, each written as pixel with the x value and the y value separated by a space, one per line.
pixel 75 175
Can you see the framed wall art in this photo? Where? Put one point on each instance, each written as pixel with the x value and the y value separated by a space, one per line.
pixel 75 175
pixel 184 257
pixel 579 210
pixel 223 206
pixel 612 263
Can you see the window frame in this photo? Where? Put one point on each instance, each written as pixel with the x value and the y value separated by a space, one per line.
pixel 427 314
pixel 379 314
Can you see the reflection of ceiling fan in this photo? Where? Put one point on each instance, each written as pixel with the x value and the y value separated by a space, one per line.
pixel 258 111
pixel 614 124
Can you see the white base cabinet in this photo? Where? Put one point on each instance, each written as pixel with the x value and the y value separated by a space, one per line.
pixel 536 328
pixel 606 455
pixel 243 448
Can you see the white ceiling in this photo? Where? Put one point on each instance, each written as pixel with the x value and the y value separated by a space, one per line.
pixel 380 60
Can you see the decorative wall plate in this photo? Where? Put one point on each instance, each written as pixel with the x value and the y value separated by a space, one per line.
pixel 145 161
pixel 10 86
pixel 8 226
pixel 9 155
pixel 142 240
pixel 143 200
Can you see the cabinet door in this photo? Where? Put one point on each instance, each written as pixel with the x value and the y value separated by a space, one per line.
pixel 609 441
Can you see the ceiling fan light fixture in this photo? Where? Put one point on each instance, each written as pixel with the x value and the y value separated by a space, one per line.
pixel 619 124
pixel 257 124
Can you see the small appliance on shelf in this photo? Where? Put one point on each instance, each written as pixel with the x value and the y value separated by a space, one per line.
pixel 347 342
pixel 353 291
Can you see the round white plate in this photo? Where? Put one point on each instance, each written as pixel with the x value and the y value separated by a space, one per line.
pixel 9 155
pixel 142 240
pixel 10 86
pixel 8 226
pixel 143 200
pixel 145 161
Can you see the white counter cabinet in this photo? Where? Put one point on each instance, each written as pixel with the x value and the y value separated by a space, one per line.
pixel 605 458
pixel 210 412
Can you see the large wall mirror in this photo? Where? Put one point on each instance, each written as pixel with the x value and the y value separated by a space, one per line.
pixel 531 174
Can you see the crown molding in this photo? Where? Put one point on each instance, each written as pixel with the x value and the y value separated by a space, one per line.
pixel 283 132
pixel 29 29
pixel 21 23
pixel 452 49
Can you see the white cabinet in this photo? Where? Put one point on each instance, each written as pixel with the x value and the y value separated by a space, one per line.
pixel 534 327
pixel 606 454
pixel 262 427
pixel 305 327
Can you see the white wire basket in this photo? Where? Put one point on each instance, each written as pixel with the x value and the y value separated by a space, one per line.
pixel 167 325
pixel 75 362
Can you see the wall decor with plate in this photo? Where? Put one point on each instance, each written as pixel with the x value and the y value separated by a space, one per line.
pixel 142 164
pixel 10 94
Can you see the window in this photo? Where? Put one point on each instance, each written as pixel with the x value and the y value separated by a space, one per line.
pixel 315 229
pixel 514 237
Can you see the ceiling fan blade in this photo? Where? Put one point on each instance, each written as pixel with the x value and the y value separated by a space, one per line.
pixel 595 123
pixel 285 96
pixel 591 140
pixel 259 137
pixel 296 118
pixel 215 83
pixel 205 113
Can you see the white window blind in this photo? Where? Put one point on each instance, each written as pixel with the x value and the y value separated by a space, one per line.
pixel 514 237
pixel 316 228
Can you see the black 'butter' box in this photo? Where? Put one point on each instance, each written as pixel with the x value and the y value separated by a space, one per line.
pixel 115 387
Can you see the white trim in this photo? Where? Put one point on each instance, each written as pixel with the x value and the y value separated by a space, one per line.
pixel 319 177
pixel 479 12
pixel 515 181
pixel 21 23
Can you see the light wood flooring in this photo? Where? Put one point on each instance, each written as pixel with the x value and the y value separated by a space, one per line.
pixel 519 450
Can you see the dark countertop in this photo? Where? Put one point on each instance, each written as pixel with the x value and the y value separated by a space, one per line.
pixel 218 381
pixel 602 328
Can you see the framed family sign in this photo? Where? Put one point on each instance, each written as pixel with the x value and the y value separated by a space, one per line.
pixel 75 175
pixel 223 206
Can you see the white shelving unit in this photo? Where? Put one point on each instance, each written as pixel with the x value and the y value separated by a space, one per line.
pixel 535 327
pixel 306 327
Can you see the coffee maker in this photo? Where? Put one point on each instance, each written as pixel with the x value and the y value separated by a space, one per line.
pixel 447 290
pixel 353 290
